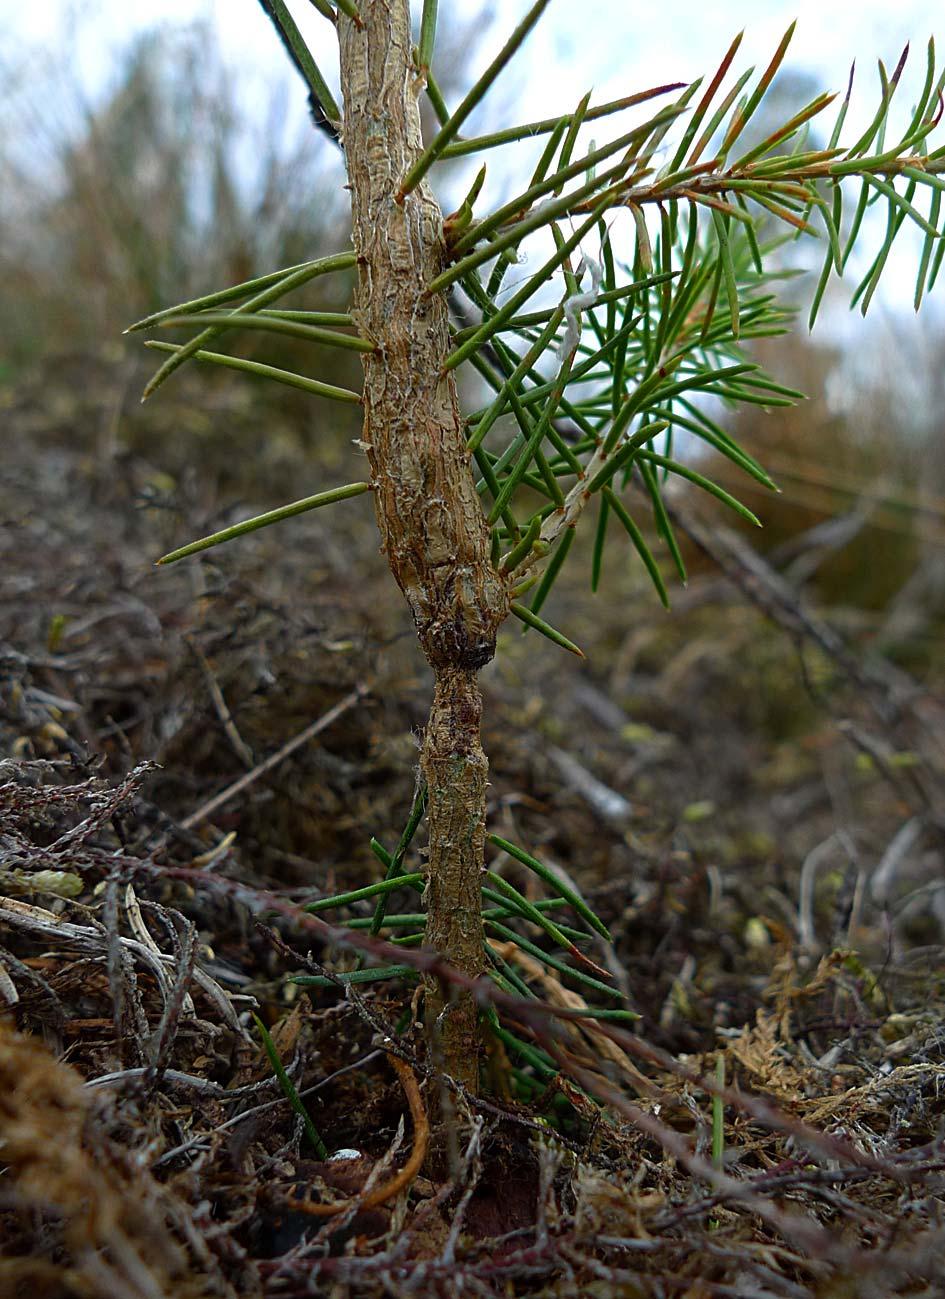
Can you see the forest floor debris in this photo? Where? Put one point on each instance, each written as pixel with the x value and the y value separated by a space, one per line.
pixel 188 755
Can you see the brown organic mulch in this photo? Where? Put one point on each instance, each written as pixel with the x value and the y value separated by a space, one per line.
pixel 186 755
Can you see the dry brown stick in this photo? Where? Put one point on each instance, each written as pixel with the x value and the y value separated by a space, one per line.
pixel 303 737
pixel 403 1179
pixel 237 743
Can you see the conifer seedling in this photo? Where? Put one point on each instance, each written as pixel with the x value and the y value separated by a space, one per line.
pixel 650 267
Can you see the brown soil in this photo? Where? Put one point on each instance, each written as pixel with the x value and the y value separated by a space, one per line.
pixel 753 807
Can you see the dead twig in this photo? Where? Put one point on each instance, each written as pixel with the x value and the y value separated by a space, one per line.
pixel 315 728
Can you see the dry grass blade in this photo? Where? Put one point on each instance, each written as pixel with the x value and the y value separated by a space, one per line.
pixel 558 995
pixel 244 782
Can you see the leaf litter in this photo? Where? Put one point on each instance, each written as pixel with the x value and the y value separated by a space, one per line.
pixel 148 1147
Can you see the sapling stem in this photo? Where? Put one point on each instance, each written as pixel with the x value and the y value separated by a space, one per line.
pixel 474 513
pixel 434 533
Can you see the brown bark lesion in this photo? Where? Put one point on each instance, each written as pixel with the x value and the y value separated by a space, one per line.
pixel 430 518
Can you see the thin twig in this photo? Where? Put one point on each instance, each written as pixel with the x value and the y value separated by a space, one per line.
pixel 237 743
pixel 238 786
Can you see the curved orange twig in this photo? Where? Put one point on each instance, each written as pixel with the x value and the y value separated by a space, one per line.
pixel 398 1183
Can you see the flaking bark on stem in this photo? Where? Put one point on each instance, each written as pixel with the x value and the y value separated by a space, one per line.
pixel 455 769
pixel 432 527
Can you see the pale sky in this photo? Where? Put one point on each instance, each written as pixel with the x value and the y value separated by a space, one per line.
pixel 614 46
pixel 629 38
pixel 609 44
